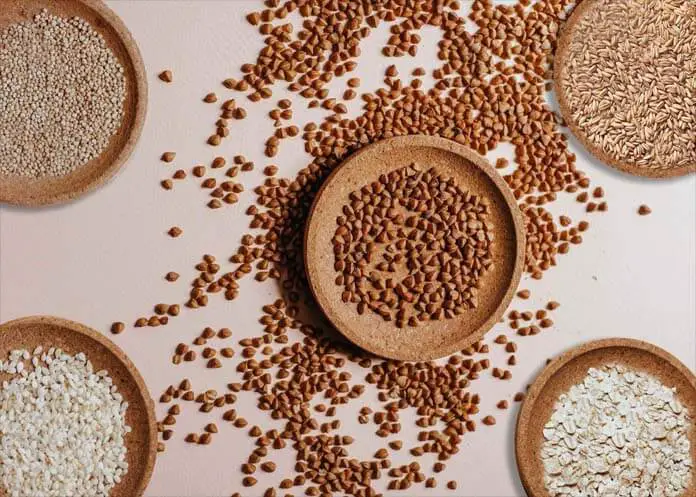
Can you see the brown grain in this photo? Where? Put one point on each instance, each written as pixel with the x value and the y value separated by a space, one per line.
pixel 475 102
pixel 117 327
pixel 168 157
pixel 166 76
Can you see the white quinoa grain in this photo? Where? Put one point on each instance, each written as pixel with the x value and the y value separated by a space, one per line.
pixel 61 96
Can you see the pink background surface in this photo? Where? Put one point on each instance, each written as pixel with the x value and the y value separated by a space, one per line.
pixel 103 257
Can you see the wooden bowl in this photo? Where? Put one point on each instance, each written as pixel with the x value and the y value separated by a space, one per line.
pixel 141 443
pixel 570 368
pixel 32 192
pixel 560 59
pixel 431 339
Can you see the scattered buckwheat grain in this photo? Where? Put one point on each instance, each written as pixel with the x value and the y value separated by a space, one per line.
pixel 644 210
pixel 166 76
pixel 488 88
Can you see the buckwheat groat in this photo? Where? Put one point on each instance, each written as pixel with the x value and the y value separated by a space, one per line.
pixel 412 247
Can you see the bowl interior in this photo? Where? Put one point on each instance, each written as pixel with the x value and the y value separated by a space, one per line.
pixel 141 442
pixel 431 339
pixel 25 191
pixel 570 369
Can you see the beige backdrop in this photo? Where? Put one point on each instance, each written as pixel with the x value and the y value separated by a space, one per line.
pixel 102 258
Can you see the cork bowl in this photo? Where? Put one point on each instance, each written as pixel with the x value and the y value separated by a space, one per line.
pixel 561 57
pixel 430 339
pixel 33 192
pixel 141 443
pixel 569 369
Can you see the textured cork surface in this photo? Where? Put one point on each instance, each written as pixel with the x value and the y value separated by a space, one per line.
pixel 431 339
pixel 141 442
pixel 52 190
pixel 560 59
pixel 570 369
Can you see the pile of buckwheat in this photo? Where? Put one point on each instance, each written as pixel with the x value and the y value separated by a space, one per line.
pixel 412 246
pixel 490 87
pixel 62 426
pixel 61 96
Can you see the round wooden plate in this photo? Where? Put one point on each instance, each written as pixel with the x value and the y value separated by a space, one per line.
pixel 569 369
pixel 141 443
pixel 17 190
pixel 431 339
pixel 560 59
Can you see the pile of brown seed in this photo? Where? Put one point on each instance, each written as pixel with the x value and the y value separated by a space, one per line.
pixel 478 100
pixel 489 89
pixel 412 246
pixel 292 364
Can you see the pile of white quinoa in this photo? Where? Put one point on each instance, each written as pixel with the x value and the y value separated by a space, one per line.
pixel 61 96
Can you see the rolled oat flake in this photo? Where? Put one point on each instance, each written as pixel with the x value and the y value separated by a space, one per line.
pixel 619 433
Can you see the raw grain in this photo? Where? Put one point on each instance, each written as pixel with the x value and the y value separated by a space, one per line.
pixel 166 76
pixel 62 94
pixel 72 440
pixel 628 81
pixel 627 432
pixel 117 327
pixel 419 220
